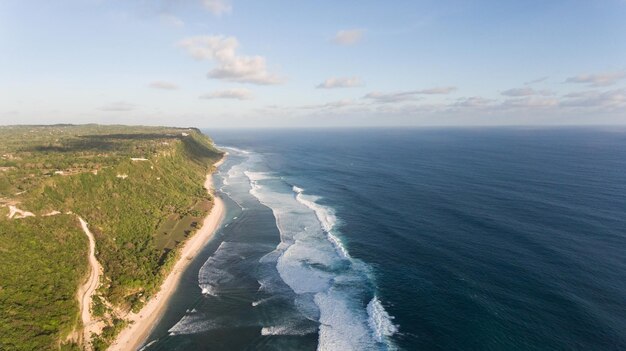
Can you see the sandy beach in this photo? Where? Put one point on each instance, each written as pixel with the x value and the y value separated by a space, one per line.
pixel 141 323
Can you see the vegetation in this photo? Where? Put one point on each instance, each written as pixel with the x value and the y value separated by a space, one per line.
pixel 139 188
pixel 42 259
pixel 101 342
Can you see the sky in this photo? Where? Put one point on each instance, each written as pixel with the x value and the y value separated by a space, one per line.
pixel 244 63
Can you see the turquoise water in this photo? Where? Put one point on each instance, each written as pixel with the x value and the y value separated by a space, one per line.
pixel 425 239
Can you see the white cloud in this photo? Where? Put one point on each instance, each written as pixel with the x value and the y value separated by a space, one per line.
pixel 530 102
pixel 610 99
pixel 390 97
pixel 406 95
pixel 230 66
pixel 349 36
pixel 516 92
pixel 171 20
pixel 533 108
pixel 210 47
pixel 472 102
pixel 163 85
pixel 598 80
pixel 332 105
pixel 237 94
pixel 218 7
pixel 334 82
pixel 119 106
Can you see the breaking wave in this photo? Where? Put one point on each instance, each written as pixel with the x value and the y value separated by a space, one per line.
pixel 380 321
pixel 311 259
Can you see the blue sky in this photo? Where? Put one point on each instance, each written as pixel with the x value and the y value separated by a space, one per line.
pixel 235 63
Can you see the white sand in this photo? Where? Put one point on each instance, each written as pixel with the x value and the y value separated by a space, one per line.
pixel 141 323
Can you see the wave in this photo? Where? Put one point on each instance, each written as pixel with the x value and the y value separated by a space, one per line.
pixel 380 321
pixel 192 323
pixel 256 176
pixel 217 272
pixel 198 322
pixel 234 149
pixel 311 259
pixel 258 302
pixel 287 330
pixel 342 326
pixel 147 346
pixel 308 282
pixel 325 215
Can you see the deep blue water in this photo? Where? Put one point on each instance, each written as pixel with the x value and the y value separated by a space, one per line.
pixel 419 239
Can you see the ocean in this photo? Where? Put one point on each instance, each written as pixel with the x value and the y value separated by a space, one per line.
pixel 411 239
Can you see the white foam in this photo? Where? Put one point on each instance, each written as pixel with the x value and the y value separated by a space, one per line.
pixel 338 245
pixel 192 323
pixel 256 176
pixel 258 302
pixel 233 172
pixel 314 263
pixel 236 150
pixel 380 321
pixel 325 215
pixel 215 271
pixel 286 330
pixel 145 347
pixel 342 326
pixel 269 285
pixel 208 290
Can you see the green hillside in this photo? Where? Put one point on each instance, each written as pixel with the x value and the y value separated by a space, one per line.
pixel 139 188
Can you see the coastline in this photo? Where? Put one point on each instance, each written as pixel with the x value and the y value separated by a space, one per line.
pixel 142 322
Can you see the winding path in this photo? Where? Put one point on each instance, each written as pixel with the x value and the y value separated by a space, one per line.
pixel 86 291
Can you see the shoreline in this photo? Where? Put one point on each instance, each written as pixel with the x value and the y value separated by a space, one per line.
pixel 141 323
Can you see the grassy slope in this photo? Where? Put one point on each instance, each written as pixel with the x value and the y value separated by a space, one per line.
pixel 124 214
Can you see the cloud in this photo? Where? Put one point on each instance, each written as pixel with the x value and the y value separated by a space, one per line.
pixel 390 97
pixel 472 102
pixel 119 106
pixel 434 91
pixel 516 92
pixel 348 82
pixel 610 99
pixel 236 94
pixel 230 66
pixel 516 109
pixel 406 95
pixel 171 20
pixel 530 102
pixel 349 36
pixel 535 81
pixel 598 80
pixel 332 104
pixel 163 85
pixel 217 7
